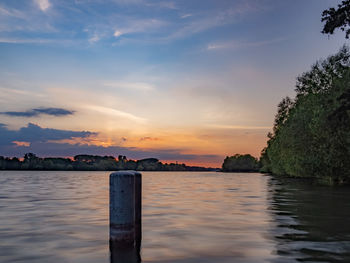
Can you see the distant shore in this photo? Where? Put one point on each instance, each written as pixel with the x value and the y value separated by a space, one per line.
pixel 85 162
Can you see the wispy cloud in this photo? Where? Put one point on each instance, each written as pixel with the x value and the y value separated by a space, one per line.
pixel 118 113
pixel 162 4
pixel 138 26
pixel 39 111
pixel 130 85
pixel 113 21
pixel 186 15
pixel 239 127
pixel 94 38
pixel 148 138
pixel 215 46
pixel 212 19
pixel 14 92
pixel 18 143
pixel 117 33
pixel 11 12
pixel 24 40
pixel 27 20
pixel 44 5
pixel 242 44
pixel 129 2
pixel 42 41
pixel 147 3
pixel 160 30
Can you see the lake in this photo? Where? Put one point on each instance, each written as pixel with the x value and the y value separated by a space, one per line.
pixel 187 217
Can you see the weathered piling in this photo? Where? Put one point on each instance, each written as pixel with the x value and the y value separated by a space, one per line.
pixel 124 254
pixel 125 208
pixel 138 209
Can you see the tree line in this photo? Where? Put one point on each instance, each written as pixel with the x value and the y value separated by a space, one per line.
pixel 92 163
pixel 311 133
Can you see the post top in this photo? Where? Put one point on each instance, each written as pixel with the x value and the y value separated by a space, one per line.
pixel 125 173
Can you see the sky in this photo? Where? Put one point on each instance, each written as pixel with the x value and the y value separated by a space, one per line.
pixel 187 81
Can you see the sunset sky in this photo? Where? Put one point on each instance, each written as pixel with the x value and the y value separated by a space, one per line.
pixel 188 81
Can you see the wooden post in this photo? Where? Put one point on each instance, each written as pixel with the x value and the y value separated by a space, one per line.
pixel 138 209
pixel 124 254
pixel 125 209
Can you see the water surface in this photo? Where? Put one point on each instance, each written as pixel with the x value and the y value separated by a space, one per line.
pixel 187 217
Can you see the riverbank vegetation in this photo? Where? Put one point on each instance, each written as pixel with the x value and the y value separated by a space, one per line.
pixel 92 163
pixel 240 163
pixel 311 133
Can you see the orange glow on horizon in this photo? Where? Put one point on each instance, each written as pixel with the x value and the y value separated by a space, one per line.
pixel 194 147
pixel 20 143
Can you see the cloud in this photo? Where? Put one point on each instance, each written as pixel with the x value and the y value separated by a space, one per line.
pixel 11 12
pixel 35 134
pixel 162 4
pixel 117 33
pixel 48 142
pixel 43 4
pixel 153 4
pixel 130 85
pixel 94 38
pixel 185 16
pixel 147 138
pixel 57 112
pixel 216 46
pixel 138 26
pixel 118 113
pixel 10 40
pixel 209 20
pixel 238 127
pixel 18 143
pixel 129 2
pixel 42 41
pixel 243 44
pixel 112 20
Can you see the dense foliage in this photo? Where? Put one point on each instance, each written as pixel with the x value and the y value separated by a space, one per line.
pixel 240 163
pixel 92 163
pixel 337 18
pixel 311 134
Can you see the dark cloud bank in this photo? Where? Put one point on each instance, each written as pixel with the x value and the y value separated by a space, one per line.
pixel 35 134
pixel 57 112
pixel 39 138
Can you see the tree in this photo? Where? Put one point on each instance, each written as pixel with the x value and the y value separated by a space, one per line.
pixel 337 18
pixel 240 163
pixel 86 162
pixel 32 162
pixel 284 107
pixel 311 135
pixel 323 73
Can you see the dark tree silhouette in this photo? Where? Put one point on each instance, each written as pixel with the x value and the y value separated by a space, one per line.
pixel 337 18
pixel 85 162
pixel 311 133
pixel 240 163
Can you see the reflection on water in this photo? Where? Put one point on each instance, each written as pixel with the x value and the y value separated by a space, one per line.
pixel 124 255
pixel 53 217
pixel 312 221
pixel 187 217
pixel 205 217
